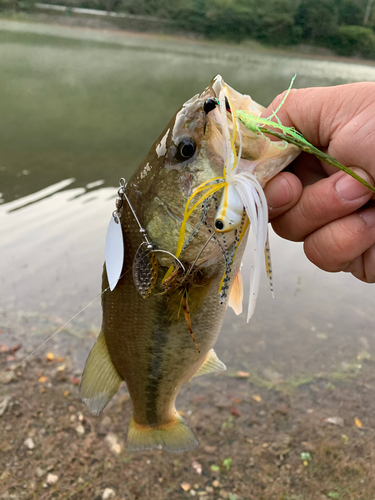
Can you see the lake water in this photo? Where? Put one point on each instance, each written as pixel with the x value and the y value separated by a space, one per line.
pixel 78 110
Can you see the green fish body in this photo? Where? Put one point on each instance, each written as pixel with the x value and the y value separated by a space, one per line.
pixel 147 340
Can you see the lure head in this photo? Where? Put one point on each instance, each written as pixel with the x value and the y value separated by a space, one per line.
pixel 230 212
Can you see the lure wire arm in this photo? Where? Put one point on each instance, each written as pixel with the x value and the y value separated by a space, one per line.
pixel 200 253
pixel 142 230
pixel 174 258
pixel 122 192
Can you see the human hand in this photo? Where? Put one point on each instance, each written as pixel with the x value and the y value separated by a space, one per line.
pixel 328 210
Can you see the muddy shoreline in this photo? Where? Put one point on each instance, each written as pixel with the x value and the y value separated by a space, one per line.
pixel 255 442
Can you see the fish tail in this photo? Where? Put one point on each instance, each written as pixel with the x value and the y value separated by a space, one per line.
pixel 173 437
pixel 100 379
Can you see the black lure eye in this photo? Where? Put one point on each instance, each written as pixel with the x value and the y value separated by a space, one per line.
pixel 219 224
pixel 186 148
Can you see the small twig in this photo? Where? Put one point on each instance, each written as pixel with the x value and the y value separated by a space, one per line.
pixel 309 148
pixel 185 307
pixel 81 488
pixel 292 136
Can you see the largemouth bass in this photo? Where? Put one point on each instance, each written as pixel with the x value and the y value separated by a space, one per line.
pixel 161 320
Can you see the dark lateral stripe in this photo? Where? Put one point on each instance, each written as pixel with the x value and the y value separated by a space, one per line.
pixel 159 339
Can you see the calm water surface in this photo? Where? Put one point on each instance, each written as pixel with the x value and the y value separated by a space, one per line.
pixel 78 110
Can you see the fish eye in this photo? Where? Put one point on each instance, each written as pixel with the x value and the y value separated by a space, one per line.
pixel 186 148
pixel 219 224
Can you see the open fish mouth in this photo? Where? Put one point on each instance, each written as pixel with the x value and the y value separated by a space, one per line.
pixel 191 202
pixel 201 186
pixel 260 155
pixel 249 159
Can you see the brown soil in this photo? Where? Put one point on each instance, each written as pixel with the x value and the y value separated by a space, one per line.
pixel 254 442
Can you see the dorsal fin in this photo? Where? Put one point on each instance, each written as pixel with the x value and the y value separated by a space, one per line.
pixel 211 364
pixel 236 294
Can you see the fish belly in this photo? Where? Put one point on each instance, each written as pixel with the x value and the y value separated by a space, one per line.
pixel 146 342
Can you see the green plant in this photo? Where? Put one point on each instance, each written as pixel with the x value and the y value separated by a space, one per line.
pixel 354 40
pixel 227 462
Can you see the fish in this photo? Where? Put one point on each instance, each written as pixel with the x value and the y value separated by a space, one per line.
pixel 162 317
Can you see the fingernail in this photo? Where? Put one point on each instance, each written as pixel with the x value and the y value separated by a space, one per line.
pixel 368 216
pixel 350 189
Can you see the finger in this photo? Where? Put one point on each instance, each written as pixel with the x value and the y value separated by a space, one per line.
pixel 369 265
pixel 319 112
pixel 282 193
pixel 363 266
pixel 303 110
pixel 321 203
pixel 309 169
pixel 339 245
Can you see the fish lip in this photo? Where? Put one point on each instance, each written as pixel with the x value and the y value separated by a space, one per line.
pixel 209 105
pixel 261 155
pixel 239 101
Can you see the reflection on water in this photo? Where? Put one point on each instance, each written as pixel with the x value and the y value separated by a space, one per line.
pixel 78 111
pixel 52 248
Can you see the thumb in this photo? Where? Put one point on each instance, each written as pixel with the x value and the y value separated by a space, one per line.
pixel 319 113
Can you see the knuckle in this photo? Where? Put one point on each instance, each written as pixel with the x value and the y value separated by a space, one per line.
pixel 309 214
pixel 358 270
pixel 315 252
pixel 314 206
pixel 369 264
pixel 325 250
pixel 343 246
pixel 284 229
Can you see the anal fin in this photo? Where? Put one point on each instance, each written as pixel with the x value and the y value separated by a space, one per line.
pixel 236 294
pixel 100 379
pixel 173 437
pixel 211 364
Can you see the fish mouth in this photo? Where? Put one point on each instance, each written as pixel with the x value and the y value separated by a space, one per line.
pixel 249 159
pixel 210 119
pixel 256 154
pixel 262 156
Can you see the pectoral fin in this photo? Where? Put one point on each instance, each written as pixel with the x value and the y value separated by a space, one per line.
pixel 211 364
pixel 236 294
pixel 100 379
